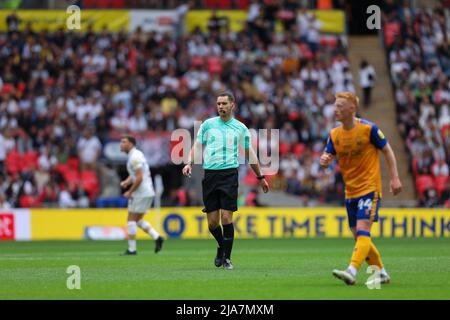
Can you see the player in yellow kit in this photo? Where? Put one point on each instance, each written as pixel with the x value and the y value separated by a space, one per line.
pixel 355 143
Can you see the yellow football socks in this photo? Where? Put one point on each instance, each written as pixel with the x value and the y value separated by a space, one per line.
pixel 374 257
pixel 362 249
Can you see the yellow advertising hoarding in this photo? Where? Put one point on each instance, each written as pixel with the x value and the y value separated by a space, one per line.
pixel 190 223
pixel 52 20
pixel 333 21
pixel 194 18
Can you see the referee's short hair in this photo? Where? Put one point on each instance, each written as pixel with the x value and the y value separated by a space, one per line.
pixel 130 139
pixel 227 94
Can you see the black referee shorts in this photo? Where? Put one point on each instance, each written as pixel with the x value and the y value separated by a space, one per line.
pixel 220 189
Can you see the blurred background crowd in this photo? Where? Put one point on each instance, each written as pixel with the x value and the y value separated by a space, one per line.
pixel 419 62
pixel 65 95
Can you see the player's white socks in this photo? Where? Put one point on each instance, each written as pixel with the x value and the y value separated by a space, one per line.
pixel 145 225
pixel 132 230
pixel 132 245
pixel 352 270
pixel 153 233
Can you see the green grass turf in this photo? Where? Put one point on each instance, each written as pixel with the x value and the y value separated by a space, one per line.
pixel 264 269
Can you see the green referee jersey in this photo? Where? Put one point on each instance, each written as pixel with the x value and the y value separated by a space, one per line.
pixel 221 140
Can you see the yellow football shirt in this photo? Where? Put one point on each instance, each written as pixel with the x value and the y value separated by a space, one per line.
pixel 356 151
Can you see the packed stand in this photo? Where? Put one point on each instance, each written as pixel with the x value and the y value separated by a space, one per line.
pixel 417 43
pixel 64 94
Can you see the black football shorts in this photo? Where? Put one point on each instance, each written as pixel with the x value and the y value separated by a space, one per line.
pixel 220 189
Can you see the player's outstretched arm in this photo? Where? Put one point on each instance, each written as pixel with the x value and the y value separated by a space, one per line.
pixel 195 150
pixel 389 156
pixel 254 164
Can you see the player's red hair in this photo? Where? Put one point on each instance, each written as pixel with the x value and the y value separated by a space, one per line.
pixel 349 96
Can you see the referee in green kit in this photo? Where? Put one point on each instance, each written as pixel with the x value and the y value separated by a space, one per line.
pixel 221 136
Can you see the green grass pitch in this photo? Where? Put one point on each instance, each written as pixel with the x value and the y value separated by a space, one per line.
pixel 264 269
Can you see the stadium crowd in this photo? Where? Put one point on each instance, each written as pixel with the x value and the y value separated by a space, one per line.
pixel 63 93
pixel 418 52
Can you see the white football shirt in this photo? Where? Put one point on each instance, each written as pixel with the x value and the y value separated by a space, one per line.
pixel 136 160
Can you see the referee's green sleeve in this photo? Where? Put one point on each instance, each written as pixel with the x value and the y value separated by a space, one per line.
pixel 200 134
pixel 245 141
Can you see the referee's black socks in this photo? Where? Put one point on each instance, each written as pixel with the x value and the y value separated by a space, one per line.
pixel 228 237
pixel 218 235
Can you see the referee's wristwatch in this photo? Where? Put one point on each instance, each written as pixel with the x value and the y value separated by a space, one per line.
pixel 261 177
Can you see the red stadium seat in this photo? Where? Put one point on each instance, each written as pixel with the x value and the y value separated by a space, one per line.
pixel 7 88
pixel 21 87
pixel 285 148
pixel 225 4
pixel 72 177
pixel 250 179
pixel 13 162
pixel 102 3
pixel 325 4
pixel 62 168
pixel 250 199
pixel 210 4
pixel 182 196
pixel 391 30
pixel 73 163
pixel 444 130
pixel 298 149
pixel 89 182
pixel 89 3
pixel 117 4
pixel 242 4
pixel 330 41
pixel 440 183
pixel 423 182
pixel 294 115
pixel 27 201
pixel 30 160
pixel 306 51
pixel 218 4
pixel 214 65
pixel 197 61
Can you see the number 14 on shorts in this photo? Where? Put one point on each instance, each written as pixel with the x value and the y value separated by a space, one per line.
pixel 365 203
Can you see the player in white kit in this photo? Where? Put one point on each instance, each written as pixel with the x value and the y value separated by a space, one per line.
pixel 140 195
